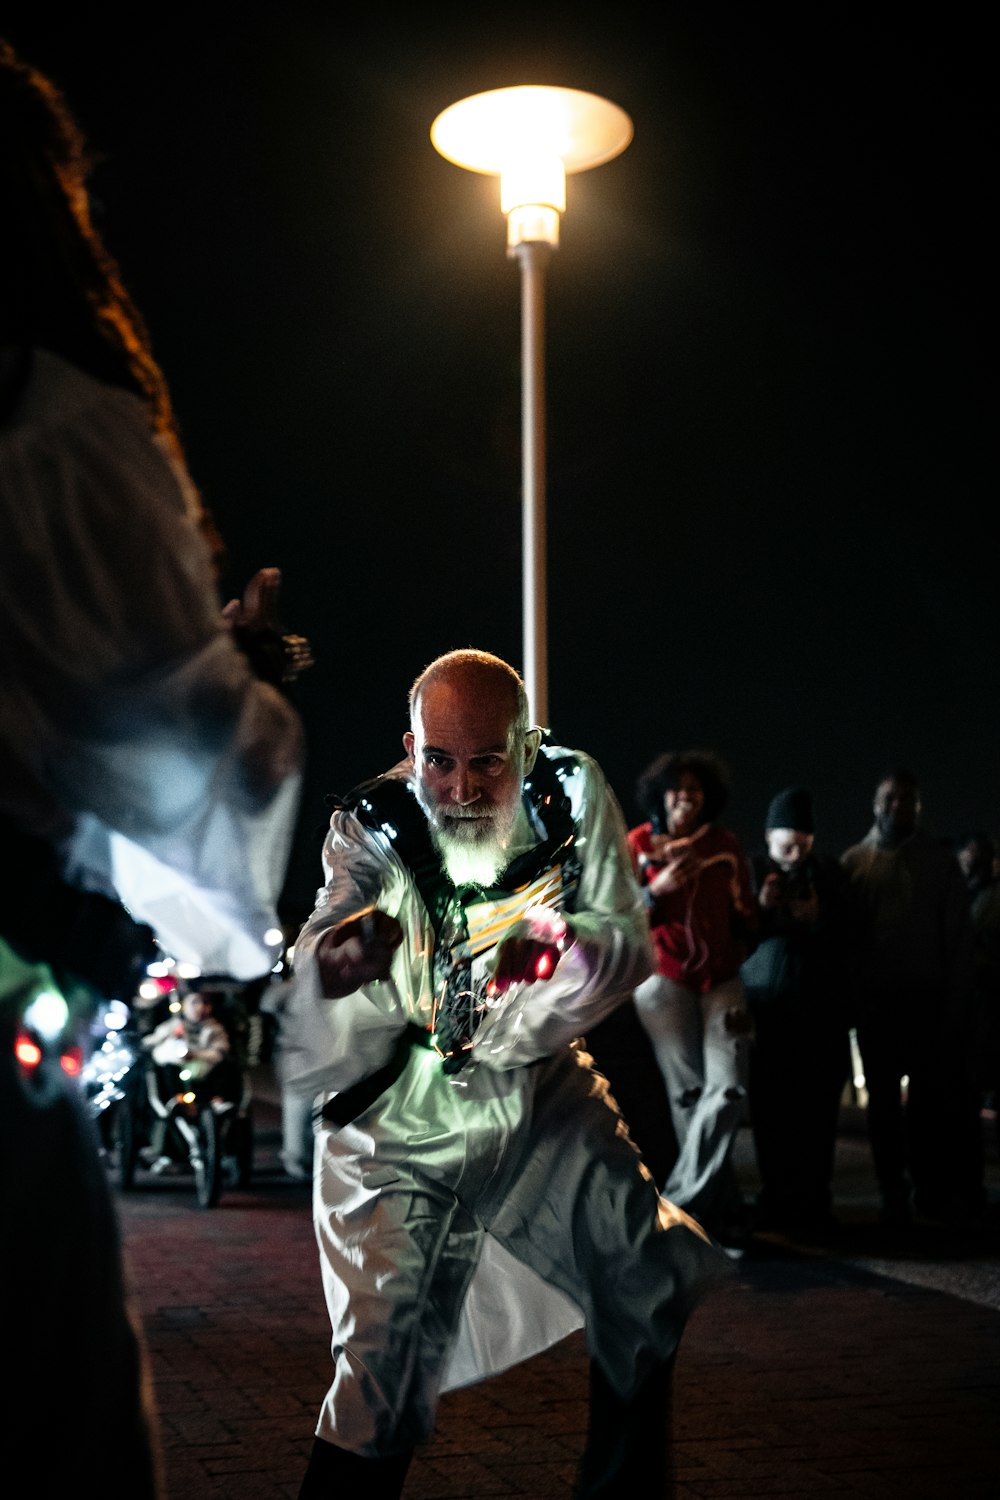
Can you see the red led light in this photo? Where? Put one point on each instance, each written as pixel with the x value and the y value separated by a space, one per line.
pixel 543 968
pixel 72 1062
pixel 27 1051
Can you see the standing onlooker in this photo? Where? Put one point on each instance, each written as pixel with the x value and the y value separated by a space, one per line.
pixel 915 1010
pixel 977 860
pixel 696 884
pixel 798 982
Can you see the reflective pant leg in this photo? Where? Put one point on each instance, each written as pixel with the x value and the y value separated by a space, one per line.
pixel 396 1255
pixel 584 1213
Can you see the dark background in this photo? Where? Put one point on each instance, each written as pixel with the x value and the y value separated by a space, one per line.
pixel 771 493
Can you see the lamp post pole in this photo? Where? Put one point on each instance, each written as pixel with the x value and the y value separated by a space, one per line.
pixel 533 257
pixel 531 136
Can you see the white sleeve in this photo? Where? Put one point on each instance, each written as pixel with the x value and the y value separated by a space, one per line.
pixel 329 1044
pixel 186 807
pixel 609 950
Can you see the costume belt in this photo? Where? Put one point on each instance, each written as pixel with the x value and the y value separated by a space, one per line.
pixel 352 1102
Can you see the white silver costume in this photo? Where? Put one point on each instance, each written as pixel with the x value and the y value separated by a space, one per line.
pixel 467 1221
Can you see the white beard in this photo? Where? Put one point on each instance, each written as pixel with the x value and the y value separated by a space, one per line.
pixel 473 850
pixel 470 863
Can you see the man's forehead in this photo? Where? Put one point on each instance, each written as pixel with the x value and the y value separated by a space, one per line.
pixel 475 716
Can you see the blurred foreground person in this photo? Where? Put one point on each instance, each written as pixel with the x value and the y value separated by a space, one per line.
pixel 477 1196
pixel 799 983
pixel 915 1012
pixel 149 780
pixel 696 884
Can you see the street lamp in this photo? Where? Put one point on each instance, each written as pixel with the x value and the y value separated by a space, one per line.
pixel 531 136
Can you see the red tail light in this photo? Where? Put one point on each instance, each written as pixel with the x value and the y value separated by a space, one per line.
pixel 27 1050
pixel 71 1062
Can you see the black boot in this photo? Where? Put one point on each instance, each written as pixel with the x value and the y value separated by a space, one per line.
pixel 628 1442
pixel 337 1474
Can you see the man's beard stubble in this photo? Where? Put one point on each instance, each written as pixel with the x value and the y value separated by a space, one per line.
pixel 473 850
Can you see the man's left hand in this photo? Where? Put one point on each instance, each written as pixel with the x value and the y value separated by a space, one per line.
pixel 531 950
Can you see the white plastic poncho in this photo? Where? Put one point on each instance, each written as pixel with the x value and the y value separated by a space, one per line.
pixel 135 736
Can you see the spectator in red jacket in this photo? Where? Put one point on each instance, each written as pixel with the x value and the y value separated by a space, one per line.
pixel 696 880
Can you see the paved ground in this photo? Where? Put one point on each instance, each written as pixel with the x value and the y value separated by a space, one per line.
pixel 809 1375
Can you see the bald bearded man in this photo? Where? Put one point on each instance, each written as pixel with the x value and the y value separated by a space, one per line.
pixel 477 1196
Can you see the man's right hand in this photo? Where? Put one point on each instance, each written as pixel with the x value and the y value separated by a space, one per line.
pixel 357 951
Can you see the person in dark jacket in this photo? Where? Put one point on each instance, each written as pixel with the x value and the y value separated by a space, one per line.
pixel 916 1012
pixel 798 984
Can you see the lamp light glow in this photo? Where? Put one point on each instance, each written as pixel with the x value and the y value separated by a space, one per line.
pixel 486 131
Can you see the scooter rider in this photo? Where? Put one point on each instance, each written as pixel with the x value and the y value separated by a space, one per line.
pixel 182 1047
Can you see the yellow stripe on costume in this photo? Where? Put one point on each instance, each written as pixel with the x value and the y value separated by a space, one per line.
pixel 489 920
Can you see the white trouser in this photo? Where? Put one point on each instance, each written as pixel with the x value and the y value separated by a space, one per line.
pixel 703 1058
pixel 538 1157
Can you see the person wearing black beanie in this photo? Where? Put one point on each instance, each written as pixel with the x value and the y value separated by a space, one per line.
pixel 798 989
pixel 792 809
pixel 916 979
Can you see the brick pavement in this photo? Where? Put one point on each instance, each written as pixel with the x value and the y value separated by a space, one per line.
pixel 803 1377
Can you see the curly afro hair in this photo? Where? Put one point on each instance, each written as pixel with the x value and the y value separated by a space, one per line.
pixel 665 772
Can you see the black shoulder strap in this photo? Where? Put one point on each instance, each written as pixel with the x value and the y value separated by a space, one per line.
pixel 545 790
pixel 388 805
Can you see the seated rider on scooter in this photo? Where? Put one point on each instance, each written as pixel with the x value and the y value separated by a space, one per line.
pixel 184 1047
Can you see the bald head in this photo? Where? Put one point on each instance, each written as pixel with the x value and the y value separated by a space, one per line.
pixel 474 677
pixel 471 749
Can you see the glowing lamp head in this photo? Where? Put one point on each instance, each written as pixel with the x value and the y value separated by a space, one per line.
pixel 531 136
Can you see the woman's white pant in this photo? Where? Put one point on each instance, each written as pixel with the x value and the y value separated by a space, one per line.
pixel 701 1044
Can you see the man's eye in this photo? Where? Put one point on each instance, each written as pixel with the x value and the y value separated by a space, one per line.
pixel 436 762
pixel 491 764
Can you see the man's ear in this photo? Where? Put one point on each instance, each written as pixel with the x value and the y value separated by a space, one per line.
pixel 408 743
pixel 532 740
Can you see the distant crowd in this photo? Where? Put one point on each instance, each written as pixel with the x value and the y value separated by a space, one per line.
pixel 771 963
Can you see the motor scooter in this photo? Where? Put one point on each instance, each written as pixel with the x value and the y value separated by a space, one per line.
pixel 201 1124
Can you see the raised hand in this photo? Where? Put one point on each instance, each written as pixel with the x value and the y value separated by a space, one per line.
pixel 357 951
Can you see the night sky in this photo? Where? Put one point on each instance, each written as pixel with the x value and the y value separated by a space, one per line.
pixel 770 490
